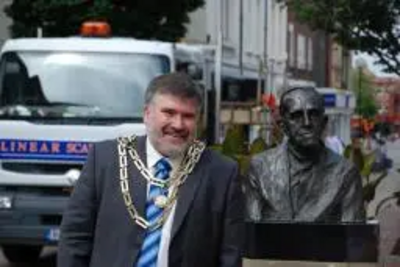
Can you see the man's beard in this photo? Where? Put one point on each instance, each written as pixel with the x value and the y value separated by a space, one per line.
pixel 167 149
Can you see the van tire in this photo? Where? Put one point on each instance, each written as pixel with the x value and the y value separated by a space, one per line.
pixel 22 253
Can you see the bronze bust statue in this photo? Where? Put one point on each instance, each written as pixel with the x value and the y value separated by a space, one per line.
pixel 301 180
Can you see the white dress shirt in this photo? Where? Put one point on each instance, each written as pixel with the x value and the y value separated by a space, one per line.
pixel 152 158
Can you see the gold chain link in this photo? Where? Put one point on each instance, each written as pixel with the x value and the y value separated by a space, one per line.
pixel 128 144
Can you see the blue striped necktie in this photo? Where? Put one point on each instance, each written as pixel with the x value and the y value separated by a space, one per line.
pixel 151 244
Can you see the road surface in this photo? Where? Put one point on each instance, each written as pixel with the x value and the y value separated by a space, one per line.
pixel 48 259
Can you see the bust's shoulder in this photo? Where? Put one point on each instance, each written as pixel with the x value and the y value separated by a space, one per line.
pixel 270 153
pixel 340 162
pixel 268 156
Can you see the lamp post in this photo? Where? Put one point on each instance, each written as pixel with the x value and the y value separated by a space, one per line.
pixel 360 64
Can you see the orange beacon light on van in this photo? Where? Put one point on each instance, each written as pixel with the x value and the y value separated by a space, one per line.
pixel 95 29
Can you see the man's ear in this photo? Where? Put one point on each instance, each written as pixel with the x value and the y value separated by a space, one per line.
pixel 146 113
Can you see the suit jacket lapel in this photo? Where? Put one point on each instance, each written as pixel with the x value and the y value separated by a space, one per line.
pixel 138 185
pixel 186 195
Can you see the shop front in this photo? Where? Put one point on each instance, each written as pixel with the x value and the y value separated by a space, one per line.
pixel 339 106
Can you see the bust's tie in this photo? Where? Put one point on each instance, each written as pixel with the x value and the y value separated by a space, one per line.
pixel 150 247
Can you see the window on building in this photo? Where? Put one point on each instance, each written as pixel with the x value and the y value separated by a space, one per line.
pixel 345 70
pixel 259 26
pixel 310 54
pixel 301 51
pixel 254 26
pixel 292 45
pixel 226 20
pixel 247 29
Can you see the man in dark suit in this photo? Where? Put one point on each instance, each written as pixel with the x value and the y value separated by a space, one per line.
pixel 157 200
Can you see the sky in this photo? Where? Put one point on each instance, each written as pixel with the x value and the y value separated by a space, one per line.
pixel 376 69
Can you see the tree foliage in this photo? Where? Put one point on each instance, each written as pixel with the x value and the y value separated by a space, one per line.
pixel 370 26
pixel 143 19
pixel 365 93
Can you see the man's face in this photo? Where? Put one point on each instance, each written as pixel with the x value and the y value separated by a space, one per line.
pixel 304 120
pixel 171 123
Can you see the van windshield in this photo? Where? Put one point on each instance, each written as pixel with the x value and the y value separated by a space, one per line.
pixel 76 84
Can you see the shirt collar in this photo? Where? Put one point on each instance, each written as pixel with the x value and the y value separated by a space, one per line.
pixel 153 156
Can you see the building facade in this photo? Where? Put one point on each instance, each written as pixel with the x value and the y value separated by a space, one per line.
pixel 315 58
pixel 5 22
pixel 304 54
pixel 388 100
pixel 339 67
pixel 253 35
pixel 254 42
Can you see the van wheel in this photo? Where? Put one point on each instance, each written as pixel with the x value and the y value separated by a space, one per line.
pixel 22 253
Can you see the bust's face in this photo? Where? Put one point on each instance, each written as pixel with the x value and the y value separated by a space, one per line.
pixel 303 117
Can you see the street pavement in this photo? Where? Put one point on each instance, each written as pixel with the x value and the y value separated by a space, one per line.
pixel 389 215
pixel 389 220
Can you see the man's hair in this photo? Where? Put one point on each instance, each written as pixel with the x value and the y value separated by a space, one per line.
pixel 177 84
pixel 310 90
